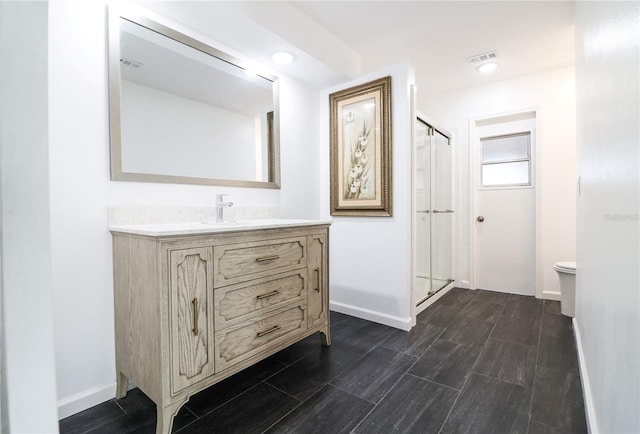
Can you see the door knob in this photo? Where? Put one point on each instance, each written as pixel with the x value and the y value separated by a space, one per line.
pixel 480 218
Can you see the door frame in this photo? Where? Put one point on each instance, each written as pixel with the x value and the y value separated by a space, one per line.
pixel 474 184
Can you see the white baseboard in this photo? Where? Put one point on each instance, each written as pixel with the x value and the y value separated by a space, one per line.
pixel 465 284
pixel 548 295
pixel 592 424
pixel 86 399
pixel 379 317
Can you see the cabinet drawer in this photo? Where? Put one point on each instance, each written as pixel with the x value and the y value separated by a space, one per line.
pixel 243 261
pixel 235 303
pixel 235 344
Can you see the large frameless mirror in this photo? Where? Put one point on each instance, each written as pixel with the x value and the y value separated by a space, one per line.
pixel 182 111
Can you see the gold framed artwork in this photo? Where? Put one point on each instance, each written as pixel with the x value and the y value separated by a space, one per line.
pixel 360 149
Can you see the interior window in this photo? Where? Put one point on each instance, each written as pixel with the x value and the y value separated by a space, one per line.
pixel 506 160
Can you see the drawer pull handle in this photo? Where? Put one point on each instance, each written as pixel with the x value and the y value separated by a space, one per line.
pixel 268 258
pixel 266 332
pixel 194 303
pixel 268 294
pixel 317 271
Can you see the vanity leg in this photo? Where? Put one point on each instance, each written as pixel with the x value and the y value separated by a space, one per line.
pixel 325 336
pixel 122 382
pixel 166 415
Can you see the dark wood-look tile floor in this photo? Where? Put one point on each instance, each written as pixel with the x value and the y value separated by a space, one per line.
pixel 477 361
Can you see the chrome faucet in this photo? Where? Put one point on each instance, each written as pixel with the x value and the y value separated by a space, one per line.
pixel 220 204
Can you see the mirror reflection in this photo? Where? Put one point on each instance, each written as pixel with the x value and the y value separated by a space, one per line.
pixel 187 113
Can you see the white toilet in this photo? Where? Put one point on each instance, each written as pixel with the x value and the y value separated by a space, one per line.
pixel 567 273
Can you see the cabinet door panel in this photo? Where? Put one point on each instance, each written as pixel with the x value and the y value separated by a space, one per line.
pixel 317 278
pixel 191 321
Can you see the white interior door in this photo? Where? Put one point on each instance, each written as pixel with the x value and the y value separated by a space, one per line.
pixel 505 225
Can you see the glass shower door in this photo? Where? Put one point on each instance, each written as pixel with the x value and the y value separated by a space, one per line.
pixel 422 279
pixel 441 213
pixel 434 212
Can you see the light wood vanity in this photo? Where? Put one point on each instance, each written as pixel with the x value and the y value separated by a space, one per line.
pixel 196 303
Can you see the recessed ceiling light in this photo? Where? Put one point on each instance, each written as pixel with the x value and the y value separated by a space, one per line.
pixel 282 57
pixel 487 67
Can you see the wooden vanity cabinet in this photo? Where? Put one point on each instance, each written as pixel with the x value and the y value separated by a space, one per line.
pixel 191 310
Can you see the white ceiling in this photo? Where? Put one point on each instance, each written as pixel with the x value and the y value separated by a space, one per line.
pixel 438 37
pixel 336 41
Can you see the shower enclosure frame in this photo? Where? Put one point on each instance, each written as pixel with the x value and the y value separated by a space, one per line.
pixel 420 305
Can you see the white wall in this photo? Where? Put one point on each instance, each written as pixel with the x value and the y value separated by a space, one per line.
pixel 552 94
pixel 608 271
pixel 4 421
pixel 81 192
pixel 30 389
pixel 371 256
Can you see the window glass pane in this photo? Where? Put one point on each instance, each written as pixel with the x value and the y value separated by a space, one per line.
pixel 505 174
pixel 507 148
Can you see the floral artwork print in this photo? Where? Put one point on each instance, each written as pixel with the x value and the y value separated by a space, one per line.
pixel 359 152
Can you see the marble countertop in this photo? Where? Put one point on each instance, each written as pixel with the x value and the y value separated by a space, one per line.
pixel 195 228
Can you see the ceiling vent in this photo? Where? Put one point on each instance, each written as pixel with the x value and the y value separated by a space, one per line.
pixel 484 57
pixel 129 62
